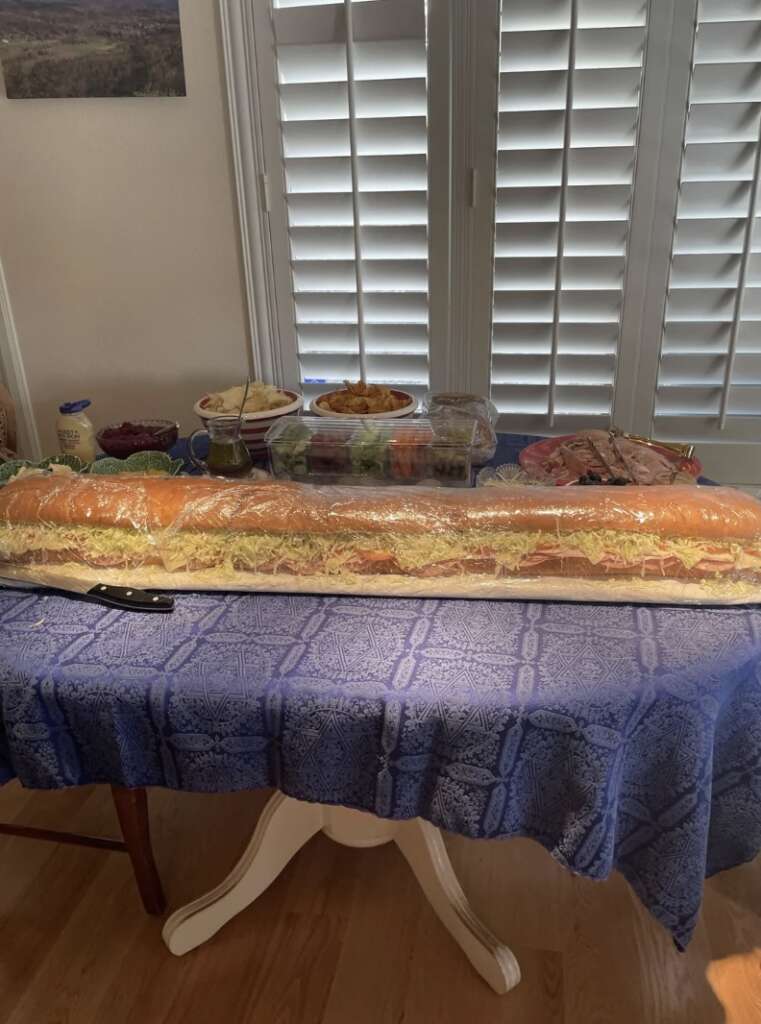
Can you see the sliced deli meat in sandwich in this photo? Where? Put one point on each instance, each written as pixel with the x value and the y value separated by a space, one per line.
pixel 667 543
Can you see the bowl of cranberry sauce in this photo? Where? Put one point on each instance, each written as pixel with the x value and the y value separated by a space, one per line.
pixel 120 440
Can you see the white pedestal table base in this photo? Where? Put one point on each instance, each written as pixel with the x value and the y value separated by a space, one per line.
pixel 287 824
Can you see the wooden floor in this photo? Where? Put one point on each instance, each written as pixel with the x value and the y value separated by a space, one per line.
pixel 344 936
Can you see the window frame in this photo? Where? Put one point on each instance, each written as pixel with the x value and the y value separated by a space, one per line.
pixel 263 225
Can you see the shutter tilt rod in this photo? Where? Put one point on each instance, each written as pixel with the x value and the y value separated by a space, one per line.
pixel 562 210
pixel 741 282
pixel 352 101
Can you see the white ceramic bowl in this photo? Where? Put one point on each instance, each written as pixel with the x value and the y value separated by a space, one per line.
pixel 254 424
pixel 406 410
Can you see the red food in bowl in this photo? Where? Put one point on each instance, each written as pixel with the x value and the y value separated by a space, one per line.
pixel 120 440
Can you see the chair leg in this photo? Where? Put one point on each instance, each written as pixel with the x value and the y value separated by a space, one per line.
pixel 132 811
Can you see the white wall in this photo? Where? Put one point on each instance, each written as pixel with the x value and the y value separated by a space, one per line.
pixel 119 240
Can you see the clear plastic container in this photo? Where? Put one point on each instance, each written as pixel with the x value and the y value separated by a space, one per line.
pixel 364 451
pixel 455 405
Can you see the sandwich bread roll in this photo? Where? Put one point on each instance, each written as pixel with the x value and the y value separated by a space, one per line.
pixel 659 543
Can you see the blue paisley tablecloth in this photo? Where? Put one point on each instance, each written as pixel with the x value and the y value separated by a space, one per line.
pixel 616 736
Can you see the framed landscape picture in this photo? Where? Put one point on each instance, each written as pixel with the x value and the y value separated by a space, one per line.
pixel 75 48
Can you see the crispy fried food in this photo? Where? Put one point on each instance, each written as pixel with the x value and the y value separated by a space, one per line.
pixel 362 399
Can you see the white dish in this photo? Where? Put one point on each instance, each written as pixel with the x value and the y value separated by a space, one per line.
pixel 508 475
pixel 254 425
pixel 406 410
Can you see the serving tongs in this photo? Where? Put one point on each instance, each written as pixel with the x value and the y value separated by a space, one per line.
pixel 685 451
pixel 130 599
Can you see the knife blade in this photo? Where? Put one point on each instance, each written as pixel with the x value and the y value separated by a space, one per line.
pixel 130 599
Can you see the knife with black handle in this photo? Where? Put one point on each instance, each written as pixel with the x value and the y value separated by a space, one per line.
pixel 130 599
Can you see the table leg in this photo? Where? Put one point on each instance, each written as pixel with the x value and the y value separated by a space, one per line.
pixel 132 811
pixel 284 827
pixel 423 848
pixel 287 824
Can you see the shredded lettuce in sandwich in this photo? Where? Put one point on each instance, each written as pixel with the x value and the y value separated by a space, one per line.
pixel 334 554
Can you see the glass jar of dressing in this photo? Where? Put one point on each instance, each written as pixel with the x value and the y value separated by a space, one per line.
pixel 228 454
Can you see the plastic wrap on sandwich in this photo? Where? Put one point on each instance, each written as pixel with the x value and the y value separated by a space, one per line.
pixel 659 544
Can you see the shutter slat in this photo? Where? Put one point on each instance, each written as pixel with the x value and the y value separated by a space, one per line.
pixel 718 161
pixel 594 89
pixel 312 22
pixel 713 199
pixel 341 308
pixel 723 122
pixel 707 368
pixel 709 236
pixel 575 338
pixel 599 166
pixel 615 126
pixel 537 307
pixel 378 137
pixel 725 83
pixel 728 41
pixel 533 15
pixel 576 370
pixel 379 276
pixel 376 174
pixel 538 274
pixel 376 209
pixel 590 238
pixel 584 203
pixel 727 10
pixel 528 399
pixel 619 47
pixel 706 336
pixel 381 243
pixel 404 97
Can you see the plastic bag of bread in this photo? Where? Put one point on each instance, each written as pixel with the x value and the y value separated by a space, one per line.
pixel 453 405
pixel 671 544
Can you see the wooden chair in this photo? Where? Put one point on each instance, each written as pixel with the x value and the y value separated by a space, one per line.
pixel 132 812
pixel 131 804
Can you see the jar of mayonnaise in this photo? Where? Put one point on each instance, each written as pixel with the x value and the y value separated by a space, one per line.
pixel 76 434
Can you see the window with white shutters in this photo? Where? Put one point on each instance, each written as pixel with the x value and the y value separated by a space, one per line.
pixel 709 375
pixel 352 91
pixel 569 105
pixel 570 222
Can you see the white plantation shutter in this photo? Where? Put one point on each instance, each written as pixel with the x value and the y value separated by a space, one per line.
pixel 569 105
pixel 621 227
pixel 352 90
pixel 709 375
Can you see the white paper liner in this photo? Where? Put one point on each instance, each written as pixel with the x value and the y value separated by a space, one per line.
pixel 76 577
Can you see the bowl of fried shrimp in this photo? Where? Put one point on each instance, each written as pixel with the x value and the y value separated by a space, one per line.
pixel 374 401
